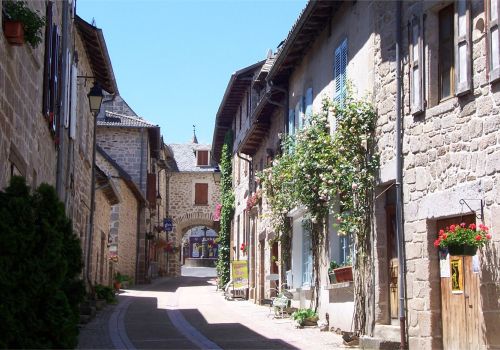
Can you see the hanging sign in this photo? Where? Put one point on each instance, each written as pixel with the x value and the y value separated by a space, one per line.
pixel 444 263
pixel 168 224
pixel 457 276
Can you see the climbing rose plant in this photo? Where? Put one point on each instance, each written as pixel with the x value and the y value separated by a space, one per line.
pixel 226 211
pixel 329 167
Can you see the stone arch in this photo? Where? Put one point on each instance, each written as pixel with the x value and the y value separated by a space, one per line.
pixel 189 220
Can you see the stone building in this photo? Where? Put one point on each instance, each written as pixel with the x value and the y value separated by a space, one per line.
pixel 252 112
pixel 192 193
pixel 134 144
pixel 449 120
pixel 46 126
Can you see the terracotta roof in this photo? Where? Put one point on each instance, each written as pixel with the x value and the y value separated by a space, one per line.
pixel 120 120
pixel 97 52
pixel 183 158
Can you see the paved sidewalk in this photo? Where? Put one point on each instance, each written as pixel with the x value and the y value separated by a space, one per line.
pixel 189 313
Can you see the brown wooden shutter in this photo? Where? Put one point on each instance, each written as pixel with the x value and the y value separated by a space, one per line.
pixel 47 65
pixel 151 190
pixel 493 39
pixel 463 65
pixel 202 157
pixel 201 193
pixel 417 65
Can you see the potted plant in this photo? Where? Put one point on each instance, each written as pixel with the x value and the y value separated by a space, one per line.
pixel 461 239
pixel 305 317
pixel 343 273
pixel 21 24
pixel 331 271
pixel 119 280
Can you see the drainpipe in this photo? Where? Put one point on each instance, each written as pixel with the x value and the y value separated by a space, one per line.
pixel 60 183
pixel 399 184
pixel 92 203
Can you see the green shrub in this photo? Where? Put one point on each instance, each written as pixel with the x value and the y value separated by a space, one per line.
pixel 106 293
pixel 302 314
pixel 40 265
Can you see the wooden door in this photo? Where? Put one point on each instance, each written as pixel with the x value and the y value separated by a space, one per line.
pixel 392 258
pixel 262 271
pixel 460 302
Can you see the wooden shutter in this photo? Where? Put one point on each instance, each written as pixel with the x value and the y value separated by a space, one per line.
pixel 463 65
pixel 493 39
pixel 340 71
pixel 54 80
pixel 73 101
pixel 201 193
pixel 67 97
pixel 48 58
pixel 291 122
pixel 416 64
pixel 202 157
pixel 151 190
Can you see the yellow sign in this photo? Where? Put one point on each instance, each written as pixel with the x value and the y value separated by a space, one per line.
pixel 457 284
pixel 239 273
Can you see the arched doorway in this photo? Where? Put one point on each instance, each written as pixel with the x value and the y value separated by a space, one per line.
pixel 199 246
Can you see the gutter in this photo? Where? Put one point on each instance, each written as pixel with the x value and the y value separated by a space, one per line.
pixel 399 185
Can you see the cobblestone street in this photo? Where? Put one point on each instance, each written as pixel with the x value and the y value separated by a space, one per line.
pixel 188 313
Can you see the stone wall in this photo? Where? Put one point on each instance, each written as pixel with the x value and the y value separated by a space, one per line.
pixel 99 268
pixel 129 148
pixel 24 131
pixel 451 152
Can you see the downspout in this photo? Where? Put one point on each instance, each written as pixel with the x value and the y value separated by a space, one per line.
pixel 60 183
pixel 92 203
pixel 399 184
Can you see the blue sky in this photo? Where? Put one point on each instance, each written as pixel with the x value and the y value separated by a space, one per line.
pixel 172 59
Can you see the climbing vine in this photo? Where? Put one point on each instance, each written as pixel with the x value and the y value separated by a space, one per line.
pixel 329 172
pixel 226 211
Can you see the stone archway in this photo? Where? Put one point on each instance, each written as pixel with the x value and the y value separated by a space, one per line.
pixel 182 224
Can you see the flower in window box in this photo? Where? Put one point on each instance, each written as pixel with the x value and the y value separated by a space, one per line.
pixel 461 239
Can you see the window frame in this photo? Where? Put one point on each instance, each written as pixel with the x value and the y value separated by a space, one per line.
pixel 493 72
pixel 453 57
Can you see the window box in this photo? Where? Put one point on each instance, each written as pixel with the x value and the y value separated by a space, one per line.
pixel 343 274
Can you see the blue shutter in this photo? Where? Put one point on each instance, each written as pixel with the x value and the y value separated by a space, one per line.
pixel 340 71
pixel 308 102
pixel 291 122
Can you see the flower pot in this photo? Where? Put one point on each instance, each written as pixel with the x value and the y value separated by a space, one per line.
pixel 331 277
pixel 311 321
pixel 465 249
pixel 14 32
pixel 343 274
pixel 117 285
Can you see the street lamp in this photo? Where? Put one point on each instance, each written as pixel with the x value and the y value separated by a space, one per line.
pixel 204 243
pixel 217 175
pixel 95 98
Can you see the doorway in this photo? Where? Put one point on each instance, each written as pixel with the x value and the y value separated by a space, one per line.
pixel 460 302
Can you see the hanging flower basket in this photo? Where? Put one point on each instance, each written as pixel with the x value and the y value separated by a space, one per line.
pixel 465 249
pixel 461 239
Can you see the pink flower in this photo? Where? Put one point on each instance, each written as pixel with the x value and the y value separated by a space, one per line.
pixel 444 236
pixel 437 242
pixel 488 236
pixel 462 224
pixel 452 228
pixel 479 237
pixel 441 232
pixel 472 226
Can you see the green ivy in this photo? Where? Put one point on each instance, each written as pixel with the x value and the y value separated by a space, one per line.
pixel 329 172
pixel 227 210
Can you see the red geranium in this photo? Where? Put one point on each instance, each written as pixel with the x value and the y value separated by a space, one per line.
pixel 460 234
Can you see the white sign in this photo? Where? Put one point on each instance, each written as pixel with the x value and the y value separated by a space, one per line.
pixel 444 264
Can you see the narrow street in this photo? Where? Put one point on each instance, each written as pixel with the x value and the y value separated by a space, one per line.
pixel 188 313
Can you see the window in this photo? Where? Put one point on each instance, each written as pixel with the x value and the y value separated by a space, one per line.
pixel 340 71
pixel 416 65
pixel 463 64
pixel 493 39
pixel 201 194
pixel 202 158
pixel 306 253
pixel 345 249
pixel 446 62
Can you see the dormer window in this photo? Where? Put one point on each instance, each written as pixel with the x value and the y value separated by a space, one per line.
pixel 202 158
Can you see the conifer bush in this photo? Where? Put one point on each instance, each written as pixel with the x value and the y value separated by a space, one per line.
pixel 40 267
